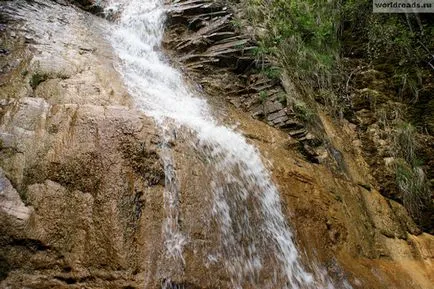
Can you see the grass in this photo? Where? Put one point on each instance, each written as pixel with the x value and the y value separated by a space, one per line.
pixel 409 174
pixel 414 186
pixel 263 96
pixel 302 111
pixel 301 36
pixel 405 142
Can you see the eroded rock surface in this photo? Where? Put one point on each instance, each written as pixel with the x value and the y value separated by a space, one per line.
pixel 79 165
pixel 365 238
pixel 82 181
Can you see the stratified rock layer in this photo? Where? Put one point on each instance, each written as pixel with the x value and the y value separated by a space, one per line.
pixel 81 185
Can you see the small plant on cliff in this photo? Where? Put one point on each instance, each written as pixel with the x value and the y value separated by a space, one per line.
pixel 37 78
pixel 263 96
pixel 410 176
pixel 405 142
pixel 271 72
pixel 302 111
pixel 413 184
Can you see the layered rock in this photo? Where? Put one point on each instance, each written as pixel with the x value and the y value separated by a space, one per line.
pixel 82 196
pixel 80 165
pixel 226 61
pixel 204 39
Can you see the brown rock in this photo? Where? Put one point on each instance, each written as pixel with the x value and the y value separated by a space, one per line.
pixel 87 168
pixel 271 107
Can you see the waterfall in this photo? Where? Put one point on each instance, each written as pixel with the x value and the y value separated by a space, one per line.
pixel 246 204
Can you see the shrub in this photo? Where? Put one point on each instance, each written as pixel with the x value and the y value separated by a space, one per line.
pixel 398 44
pixel 37 79
pixel 302 111
pixel 410 177
pixel 414 186
pixel 301 35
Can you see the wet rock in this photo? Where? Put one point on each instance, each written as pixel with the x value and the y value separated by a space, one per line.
pixel 280 121
pixel 271 107
pixel 11 204
pixel 291 123
pixel 64 153
pixel 92 6
pixel 387 223
pixel 204 39
pixel 258 112
pixel 90 167
pixel 407 223
pixel 276 115
pixel 298 133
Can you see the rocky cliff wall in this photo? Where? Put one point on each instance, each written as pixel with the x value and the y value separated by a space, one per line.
pixel 82 181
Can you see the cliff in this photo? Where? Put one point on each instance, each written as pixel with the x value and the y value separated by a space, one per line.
pixel 82 173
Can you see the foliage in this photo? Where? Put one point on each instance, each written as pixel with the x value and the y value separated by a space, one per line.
pixel 415 190
pixel 410 177
pixel 302 111
pixel 307 38
pixel 281 97
pixel 263 96
pixel 301 35
pixel 37 79
pixel 333 103
pixel 271 72
pixel 398 44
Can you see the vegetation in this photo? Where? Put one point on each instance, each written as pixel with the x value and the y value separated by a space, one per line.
pixel 398 44
pixel 303 111
pixel 410 176
pixel 308 39
pixel 325 46
pixel 37 79
pixel 263 96
pixel 302 35
pixel 413 184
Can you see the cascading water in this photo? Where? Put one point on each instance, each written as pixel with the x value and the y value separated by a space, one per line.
pixel 246 203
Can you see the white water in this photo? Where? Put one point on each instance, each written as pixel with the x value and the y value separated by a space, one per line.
pixel 246 203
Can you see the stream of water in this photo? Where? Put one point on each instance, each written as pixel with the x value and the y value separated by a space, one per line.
pixel 254 235
pixel 246 204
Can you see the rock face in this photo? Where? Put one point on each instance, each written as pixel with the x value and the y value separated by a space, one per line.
pixel 79 165
pixel 227 62
pixel 92 6
pixel 222 59
pixel 11 203
pixel 82 180
pixel 365 238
